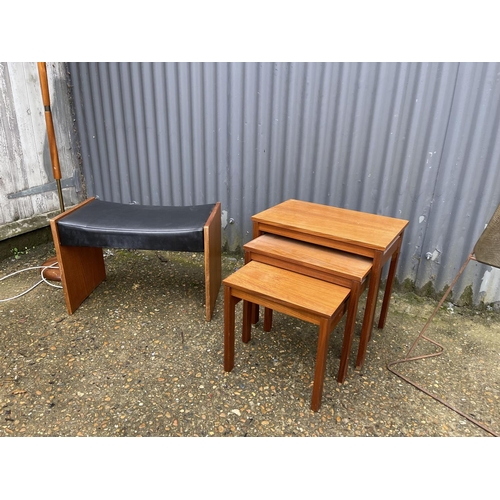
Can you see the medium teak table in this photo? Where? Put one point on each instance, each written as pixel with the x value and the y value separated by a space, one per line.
pixel 375 236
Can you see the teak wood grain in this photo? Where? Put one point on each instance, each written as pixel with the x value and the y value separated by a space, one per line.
pixel 82 268
pixel 302 293
pixel 324 223
pixel 301 255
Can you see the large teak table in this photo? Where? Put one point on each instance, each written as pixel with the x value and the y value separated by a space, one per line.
pixel 375 236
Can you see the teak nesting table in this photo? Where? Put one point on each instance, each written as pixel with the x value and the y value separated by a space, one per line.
pixel 374 236
pixel 313 261
pixel 298 295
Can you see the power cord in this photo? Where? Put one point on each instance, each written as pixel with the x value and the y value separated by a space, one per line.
pixel 54 265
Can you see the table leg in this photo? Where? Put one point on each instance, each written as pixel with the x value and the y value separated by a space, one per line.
pixel 350 323
pixel 229 308
pixel 254 315
pixel 371 305
pixel 268 319
pixel 255 307
pixel 319 371
pixel 247 325
pixel 388 285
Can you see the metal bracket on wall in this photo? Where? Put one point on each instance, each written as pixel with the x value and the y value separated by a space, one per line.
pixel 50 186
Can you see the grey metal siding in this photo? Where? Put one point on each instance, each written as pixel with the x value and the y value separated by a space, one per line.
pixel 467 188
pixel 417 141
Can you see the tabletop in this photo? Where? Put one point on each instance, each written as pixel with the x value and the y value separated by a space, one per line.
pixel 371 231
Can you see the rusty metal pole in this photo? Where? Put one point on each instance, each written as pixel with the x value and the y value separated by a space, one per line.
pixel 54 156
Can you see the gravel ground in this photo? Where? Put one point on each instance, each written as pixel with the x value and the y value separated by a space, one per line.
pixel 138 359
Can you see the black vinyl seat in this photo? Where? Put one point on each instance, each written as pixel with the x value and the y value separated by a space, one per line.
pixel 116 225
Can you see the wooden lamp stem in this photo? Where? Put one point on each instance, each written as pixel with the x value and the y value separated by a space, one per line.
pixel 54 156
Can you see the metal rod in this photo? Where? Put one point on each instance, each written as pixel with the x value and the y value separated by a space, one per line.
pixel 59 193
pixel 421 335
pixel 436 309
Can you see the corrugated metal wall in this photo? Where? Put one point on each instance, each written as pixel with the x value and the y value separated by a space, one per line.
pixel 28 193
pixel 417 141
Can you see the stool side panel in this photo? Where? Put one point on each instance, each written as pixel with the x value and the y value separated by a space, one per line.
pixel 213 259
pixel 82 270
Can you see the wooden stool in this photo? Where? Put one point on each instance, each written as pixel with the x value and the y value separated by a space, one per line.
pixel 327 264
pixel 80 234
pixel 297 295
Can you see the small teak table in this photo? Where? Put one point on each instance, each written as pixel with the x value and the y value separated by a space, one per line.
pixel 375 236
pixel 298 295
